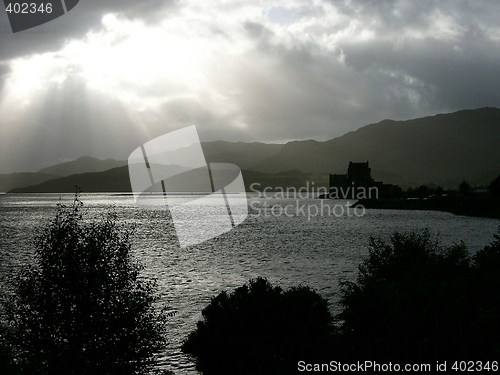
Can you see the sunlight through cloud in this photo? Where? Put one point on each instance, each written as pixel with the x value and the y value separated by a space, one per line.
pixel 293 69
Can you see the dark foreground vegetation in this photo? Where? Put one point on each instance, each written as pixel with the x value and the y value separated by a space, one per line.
pixel 414 301
pixel 260 329
pixel 83 308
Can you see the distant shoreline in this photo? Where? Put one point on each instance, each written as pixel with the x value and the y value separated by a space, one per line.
pixel 477 205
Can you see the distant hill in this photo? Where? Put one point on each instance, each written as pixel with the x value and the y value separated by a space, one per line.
pixel 441 149
pixel 244 155
pixel 84 164
pixel 14 180
pixel 82 171
pixel 113 180
pixel 117 180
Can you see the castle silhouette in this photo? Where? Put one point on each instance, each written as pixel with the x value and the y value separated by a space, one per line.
pixel 358 180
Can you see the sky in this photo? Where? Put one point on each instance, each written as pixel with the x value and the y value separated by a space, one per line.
pixel 113 74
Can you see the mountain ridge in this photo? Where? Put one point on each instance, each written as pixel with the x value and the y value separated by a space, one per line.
pixel 436 149
pixel 442 149
pixel 84 164
pixel 22 179
pixel 117 180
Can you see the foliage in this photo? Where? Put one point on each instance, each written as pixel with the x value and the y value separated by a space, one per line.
pixel 423 190
pixel 464 187
pixel 6 350
pixel 417 300
pixel 84 308
pixel 414 301
pixel 260 329
pixel 495 187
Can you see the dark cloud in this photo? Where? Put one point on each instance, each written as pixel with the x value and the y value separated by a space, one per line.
pixel 449 75
pixel 75 24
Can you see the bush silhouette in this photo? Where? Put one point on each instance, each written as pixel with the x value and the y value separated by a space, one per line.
pixel 260 329
pixel 6 351
pixel 415 299
pixel 487 292
pixel 494 187
pixel 83 308
pixel 464 187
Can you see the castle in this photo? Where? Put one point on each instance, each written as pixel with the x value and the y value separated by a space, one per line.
pixel 359 184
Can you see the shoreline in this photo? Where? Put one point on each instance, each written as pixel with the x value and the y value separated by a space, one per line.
pixel 472 205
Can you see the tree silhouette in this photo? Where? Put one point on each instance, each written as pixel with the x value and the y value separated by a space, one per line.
pixel 464 187
pixel 495 187
pixel 84 308
pixel 260 329
pixel 423 191
pixel 414 301
pixel 417 300
pixel 439 191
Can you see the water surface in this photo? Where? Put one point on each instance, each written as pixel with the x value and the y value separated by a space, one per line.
pixel 288 250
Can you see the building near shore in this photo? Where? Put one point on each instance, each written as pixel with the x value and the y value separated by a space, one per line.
pixel 358 183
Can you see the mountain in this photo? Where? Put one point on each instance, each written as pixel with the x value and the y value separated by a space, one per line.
pixel 244 155
pixel 112 180
pixel 82 165
pixel 14 180
pixel 441 149
pixel 117 180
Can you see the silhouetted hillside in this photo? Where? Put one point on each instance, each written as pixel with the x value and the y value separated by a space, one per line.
pixel 113 180
pixel 117 180
pixel 84 164
pixel 14 180
pixel 443 149
pixel 244 155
